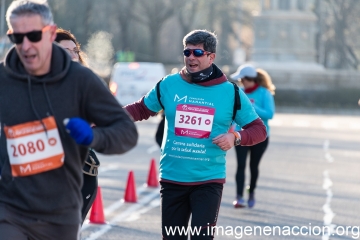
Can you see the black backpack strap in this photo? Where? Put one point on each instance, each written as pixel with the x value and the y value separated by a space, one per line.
pixel 237 102
pixel 158 93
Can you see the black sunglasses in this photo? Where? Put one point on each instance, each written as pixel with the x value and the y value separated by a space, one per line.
pixel 33 36
pixel 196 52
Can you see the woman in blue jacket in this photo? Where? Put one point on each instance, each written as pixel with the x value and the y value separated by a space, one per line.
pixel 260 90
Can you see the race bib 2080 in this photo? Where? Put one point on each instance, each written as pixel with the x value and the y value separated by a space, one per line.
pixel 31 150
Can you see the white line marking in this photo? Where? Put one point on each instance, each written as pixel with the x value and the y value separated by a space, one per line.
pixel 327 184
pixel 136 215
pixel 329 214
pixel 275 122
pixel 140 204
pixel 329 125
pixel 120 217
pixel 301 123
pixel 326 145
pixel 329 158
pixel 116 205
pixel 109 167
pixel 99 233
pixel 354 126
pixel 152 149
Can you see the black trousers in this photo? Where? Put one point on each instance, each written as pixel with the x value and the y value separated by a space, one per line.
pixel 256 152
pixel 178 202
pixel 14 226
pixel 88 192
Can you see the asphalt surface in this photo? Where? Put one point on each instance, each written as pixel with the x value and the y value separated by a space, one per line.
pixel 309 178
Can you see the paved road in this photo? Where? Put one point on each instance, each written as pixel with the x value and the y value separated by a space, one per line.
pixel 309 179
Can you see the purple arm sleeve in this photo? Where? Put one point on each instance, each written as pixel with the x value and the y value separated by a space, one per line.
pixel 139 111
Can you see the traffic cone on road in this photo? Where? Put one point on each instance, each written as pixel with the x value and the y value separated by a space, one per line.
pixel 130 191
pixel 97 211
pixel 152 176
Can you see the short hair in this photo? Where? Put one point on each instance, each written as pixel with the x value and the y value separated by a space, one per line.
pixel 208 39
pixel 62 34
pixel 19 8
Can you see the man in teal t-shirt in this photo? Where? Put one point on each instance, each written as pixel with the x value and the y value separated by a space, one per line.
pixel 198 104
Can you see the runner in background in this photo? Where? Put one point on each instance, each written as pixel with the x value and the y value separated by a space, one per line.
pixel 197 119
pixel 90 170
pixel 260 90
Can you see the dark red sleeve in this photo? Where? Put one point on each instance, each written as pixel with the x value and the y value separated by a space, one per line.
pixel 253 133
pixel 139 111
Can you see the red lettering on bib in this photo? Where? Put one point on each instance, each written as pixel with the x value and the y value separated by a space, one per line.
pixel 194 121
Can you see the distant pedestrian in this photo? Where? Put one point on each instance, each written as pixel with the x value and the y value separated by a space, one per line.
pixel 260 90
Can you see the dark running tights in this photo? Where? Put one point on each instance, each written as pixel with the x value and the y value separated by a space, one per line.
pixel 256 153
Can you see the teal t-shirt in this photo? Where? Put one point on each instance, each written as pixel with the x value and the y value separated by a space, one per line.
pixel 194 115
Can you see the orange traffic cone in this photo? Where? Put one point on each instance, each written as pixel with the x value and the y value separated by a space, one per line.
pixel 97 211
pixel 130 191
pixel 152 177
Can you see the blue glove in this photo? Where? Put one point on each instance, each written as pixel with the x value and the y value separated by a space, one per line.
pixel 79 130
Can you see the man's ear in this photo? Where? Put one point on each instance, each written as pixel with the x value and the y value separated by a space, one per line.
pixel 53 32
pixel 212 57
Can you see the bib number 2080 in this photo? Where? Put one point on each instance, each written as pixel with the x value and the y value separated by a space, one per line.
pixel 30 147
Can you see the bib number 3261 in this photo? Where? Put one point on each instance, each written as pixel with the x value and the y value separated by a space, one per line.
pixel 193 121
pixel 31 150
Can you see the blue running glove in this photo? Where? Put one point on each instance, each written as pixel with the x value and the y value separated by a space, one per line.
pixel 79 130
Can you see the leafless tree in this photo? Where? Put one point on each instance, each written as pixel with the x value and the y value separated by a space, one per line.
pixel 74 16
pixel 153 14
pixel 137 25
pixel 186 15
pixel 222 17
pixel 124 14
pixel 339 29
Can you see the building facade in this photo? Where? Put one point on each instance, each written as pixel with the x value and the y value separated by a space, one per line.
pixel 285 34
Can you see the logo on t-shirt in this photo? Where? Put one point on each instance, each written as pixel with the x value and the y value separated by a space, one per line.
pixel 180 99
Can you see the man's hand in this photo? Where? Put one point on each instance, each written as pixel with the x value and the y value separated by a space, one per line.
pixel 79 130
pixel 224 141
